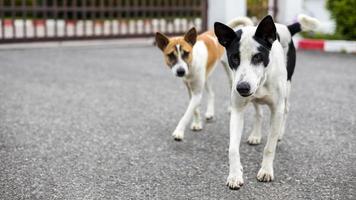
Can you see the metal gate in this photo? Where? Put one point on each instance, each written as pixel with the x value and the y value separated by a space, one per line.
pixel 46 20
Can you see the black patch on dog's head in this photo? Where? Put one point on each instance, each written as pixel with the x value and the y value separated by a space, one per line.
pixel 233 51
pixel 261 57
pixel 172 59
pixel 230 39
pixel 266 32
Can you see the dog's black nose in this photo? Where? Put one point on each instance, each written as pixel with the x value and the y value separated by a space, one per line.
pixel 244 89
pixel 180 72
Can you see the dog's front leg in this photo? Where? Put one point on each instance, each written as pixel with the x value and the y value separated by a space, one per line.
pixel 195 100
pixel 255 135
pixel 209 115
pixel 196 123
pixel 265 174
pixel 235 180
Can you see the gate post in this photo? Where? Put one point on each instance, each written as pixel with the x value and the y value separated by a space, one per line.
pixel 225 10
pixel 288 10
pixel 205 17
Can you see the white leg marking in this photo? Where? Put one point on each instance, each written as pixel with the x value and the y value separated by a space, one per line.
pixel 283 125
pixel 255 135
pixel 265 174
pixel 209 115
pixel 196 124
pixel 286 110
pixel 178 134
pixel 235 180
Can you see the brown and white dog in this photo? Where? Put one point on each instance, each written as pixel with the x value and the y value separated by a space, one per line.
pixel 193 57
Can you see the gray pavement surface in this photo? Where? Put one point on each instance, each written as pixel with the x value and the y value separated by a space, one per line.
pixel 96 122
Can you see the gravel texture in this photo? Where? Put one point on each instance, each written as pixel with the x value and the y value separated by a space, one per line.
pixel 96 122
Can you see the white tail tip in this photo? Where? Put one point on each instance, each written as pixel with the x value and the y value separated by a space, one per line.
pixel 308 23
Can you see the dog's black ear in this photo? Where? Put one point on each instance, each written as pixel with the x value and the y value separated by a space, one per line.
pixel 161 40
pixel 224 33
pixel 266 31
pixel 191 36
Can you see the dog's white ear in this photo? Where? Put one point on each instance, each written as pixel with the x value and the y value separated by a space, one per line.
pixel 266 31
pixel 161 40
pixel 224 33
pixel 191 36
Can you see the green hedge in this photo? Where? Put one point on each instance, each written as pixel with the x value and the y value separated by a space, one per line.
pixel 344 13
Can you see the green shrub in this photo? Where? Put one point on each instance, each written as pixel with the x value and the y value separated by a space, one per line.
pixel 325 36
pixel 344 13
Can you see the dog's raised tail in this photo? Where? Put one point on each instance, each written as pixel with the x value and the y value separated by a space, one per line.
pixel 240 21
pixel 305 23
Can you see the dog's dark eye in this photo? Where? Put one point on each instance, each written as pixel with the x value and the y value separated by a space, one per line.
pixel 235 59
pixel 185 54
pixel 257 59
pixel 172 57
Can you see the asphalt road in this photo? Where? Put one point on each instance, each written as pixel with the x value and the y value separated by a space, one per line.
pixel 96 123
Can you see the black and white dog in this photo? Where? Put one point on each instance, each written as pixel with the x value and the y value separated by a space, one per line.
pixel 262 59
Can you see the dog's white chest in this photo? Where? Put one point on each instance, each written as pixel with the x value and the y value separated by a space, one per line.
pixel 263 95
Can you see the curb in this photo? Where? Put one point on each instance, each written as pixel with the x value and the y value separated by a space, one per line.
pixel 327 45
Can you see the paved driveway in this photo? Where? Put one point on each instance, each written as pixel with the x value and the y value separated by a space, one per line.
pixel 95 123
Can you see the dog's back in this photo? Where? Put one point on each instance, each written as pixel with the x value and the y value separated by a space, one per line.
pixel 215 50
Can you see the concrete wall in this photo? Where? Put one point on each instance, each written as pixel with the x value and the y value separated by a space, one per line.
pixel 317 9
pixel 225 10
pixel 288 11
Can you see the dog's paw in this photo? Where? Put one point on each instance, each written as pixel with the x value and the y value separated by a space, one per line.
pixel 209 117
pixel 280 137
pixel 265 175
pixel 178 135
pixel 196 126
pixel 234 182
pixel 253 140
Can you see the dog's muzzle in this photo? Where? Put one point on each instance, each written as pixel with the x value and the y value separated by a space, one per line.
pixel 243 89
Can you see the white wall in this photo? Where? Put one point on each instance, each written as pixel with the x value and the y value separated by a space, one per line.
pixel 317 9
pixel 225 10
pixel 288 11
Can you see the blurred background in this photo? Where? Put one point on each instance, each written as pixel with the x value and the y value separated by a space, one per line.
pixel 44 20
